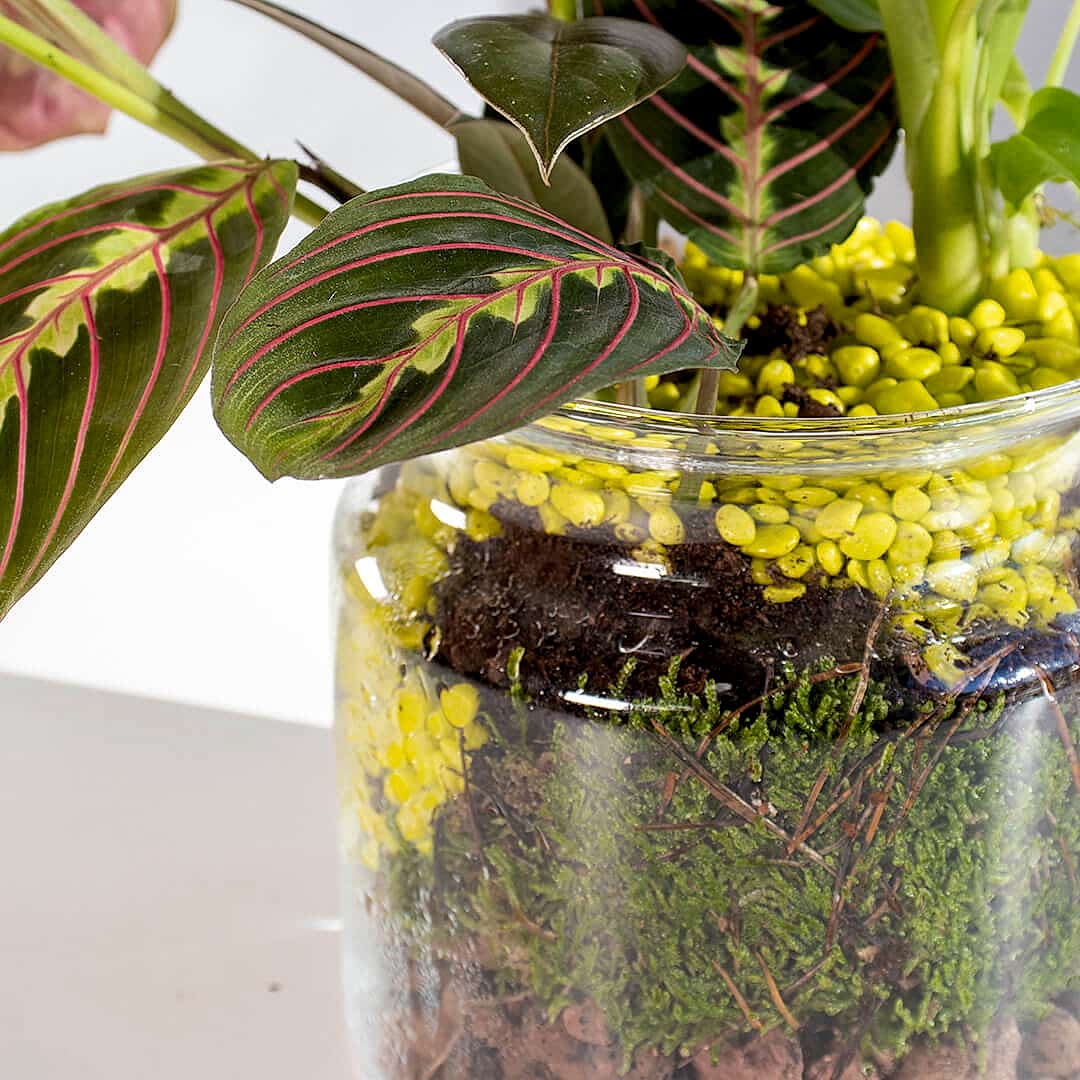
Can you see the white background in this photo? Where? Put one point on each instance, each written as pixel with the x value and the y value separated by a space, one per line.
pixel 199 582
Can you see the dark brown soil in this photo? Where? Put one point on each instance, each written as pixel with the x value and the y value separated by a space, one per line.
pixel 577 613
pixel 781 328
pixel 565 602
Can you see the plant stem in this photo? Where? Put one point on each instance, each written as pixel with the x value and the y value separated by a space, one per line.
pixel 566 10
pixel 944 181
pixel 1059 63
pixel 208 146
pixel 741 310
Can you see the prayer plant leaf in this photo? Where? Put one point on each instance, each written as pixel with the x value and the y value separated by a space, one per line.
pixel 764 149
pixel 1047 149
pixel 557 80
pixel 433 314
pixel 108 307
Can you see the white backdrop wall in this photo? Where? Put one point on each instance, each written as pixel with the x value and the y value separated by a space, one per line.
pixel 198 581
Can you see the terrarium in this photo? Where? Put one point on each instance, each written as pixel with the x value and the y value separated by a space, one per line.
pixel 708 748
pixel 707 650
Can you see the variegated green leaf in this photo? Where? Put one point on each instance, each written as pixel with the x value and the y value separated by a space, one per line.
pixel 433 314
pixel 108 306
pixel 764 148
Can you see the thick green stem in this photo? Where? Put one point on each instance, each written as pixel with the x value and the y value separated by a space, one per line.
pixel 1059 62
pixel 203 142
pixel 944 181
pixel 566 10
pixel 741 310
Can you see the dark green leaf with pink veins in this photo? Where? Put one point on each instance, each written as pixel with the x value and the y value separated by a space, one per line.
pixel 556 80
pixel 433 314
pixel 108 307
pixel 764 149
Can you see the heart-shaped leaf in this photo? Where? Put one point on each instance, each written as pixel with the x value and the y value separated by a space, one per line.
pixel 433 314
pixel 556 80
pixel 764 149
pixel 108 304
pixel 1047 149
pixel 37 105
pixel 499 155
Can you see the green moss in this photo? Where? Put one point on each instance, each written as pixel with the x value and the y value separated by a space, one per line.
pixel 961 903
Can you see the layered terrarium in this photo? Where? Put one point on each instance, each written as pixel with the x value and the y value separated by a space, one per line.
pixel 710 749
pixel 707 654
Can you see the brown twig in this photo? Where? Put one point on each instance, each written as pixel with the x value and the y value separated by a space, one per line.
pixel 728 797
pixel 444 1054
pixel 751 1019
pixel 990 666
pixel 777 997
pixel 1062 726
pixel 671 785
pixel 853 710
pixel 805 978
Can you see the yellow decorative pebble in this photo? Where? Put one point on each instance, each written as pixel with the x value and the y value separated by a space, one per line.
pixel 735 525
pixel 871 536
pixel 772 541
pixel 837 520
pixel 459 704
pixel 580 506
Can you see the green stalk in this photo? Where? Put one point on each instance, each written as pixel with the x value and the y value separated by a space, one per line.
pixel 741 310
pixel 117 96
pixel 1059 62
pixel 566 10
pixel 944 181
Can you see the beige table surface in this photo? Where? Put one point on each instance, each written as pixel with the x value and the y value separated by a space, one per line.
pixel 168 892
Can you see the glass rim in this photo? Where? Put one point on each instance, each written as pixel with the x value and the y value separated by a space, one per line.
pixel 941 439
pixel 1055 403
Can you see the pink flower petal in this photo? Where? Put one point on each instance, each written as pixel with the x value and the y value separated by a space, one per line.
pixel 37 106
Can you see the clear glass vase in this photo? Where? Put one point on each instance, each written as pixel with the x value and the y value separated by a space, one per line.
pixel 699 750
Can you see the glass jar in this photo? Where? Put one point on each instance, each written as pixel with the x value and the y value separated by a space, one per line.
pixel 689 749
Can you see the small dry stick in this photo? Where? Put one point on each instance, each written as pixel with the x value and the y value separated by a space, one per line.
pixel 751 1019
pixel 853 711
pixel 728 797
pixel 1062 726
pixel 962 714
pixel 435 1067
pixel 777 997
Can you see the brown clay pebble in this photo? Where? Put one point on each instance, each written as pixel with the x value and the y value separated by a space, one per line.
pixel 586 1024
pixel 946 1061
pixel 1053 1048
pixel 1003 1050
pixel 771 1057
pixel 949 1061
pixel 825 1068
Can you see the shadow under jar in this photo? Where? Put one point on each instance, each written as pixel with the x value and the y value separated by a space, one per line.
pixel 700 750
